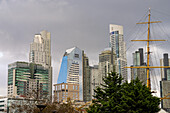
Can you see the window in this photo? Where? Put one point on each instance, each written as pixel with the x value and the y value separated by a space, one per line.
pixel 76 55
pixel 76 87
pixel 66 86
pixel 73 89
pixel 1 105
pixel 63 93
pixel 62 86
pixel 76 94
pixel 73 95
pixel 66 94
pixel 59 87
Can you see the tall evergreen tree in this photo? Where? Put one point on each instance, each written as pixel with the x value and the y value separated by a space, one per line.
pixel 116 97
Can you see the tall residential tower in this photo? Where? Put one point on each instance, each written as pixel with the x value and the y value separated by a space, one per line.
pixel 40 49
pixel 40 53
pixel 118 44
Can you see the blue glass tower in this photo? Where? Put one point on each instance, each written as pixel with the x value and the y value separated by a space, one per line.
pixel 71 69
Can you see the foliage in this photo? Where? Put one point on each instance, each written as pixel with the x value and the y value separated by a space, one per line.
pixel 59 108
pixel 30 107
pixel 117 97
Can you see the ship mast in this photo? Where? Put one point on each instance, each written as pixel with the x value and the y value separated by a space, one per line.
pixel 148 51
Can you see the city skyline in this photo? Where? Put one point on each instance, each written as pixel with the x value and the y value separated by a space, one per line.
pixel 80 23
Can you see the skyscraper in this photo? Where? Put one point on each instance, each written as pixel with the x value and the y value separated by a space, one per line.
pixel 138 60
pixel 118 44
pixel 165 72
pixel 95 80
pixel 75 70
pixel 40 49
pixel 165 83
pixel 28 80
pixel 40 53
pixel 86 79
pixel 107 60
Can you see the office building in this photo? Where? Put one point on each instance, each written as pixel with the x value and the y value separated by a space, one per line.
pixel 165 72
pixel 107 64
pixel 75 70
pixel 28 80
pixel 165 83
pixel 86 79
pixel 94 70
pixel 118 44
pixel 63 91
pixel 138 60
pixel 3 105
pixel 40 53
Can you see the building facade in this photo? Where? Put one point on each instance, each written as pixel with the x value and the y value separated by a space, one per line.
pixel 40 49
pixel 118 44
pixel 107 64
pixel 28 80
pixel 165 72
pixel 138 60
pixel 165 82
pixel 40 53
pixel 3 105
pixel 63 91
pixel 86 79
pixel 95 79
pixel 75 70
pixel 23 105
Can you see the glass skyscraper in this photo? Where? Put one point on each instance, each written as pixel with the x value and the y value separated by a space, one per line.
pixel 138 60
pixel 74 70
pixel 118 44
pixel 28 80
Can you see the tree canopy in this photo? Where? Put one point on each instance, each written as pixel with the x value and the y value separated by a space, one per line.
pixel 116 97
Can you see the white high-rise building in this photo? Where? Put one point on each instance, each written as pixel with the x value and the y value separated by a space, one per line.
pixel 40 53
pixel 118 44
pixel 40 49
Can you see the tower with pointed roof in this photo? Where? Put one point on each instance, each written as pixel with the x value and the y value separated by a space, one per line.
pixel 75 70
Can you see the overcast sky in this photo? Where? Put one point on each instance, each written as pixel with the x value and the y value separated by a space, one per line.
pixel 81 23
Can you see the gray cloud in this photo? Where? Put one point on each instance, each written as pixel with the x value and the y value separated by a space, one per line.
pixel 82 23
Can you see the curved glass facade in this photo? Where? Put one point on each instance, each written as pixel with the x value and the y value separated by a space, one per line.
pixel 71 69
pixel 63 71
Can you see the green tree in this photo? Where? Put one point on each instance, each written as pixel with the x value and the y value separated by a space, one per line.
pixel 116 97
